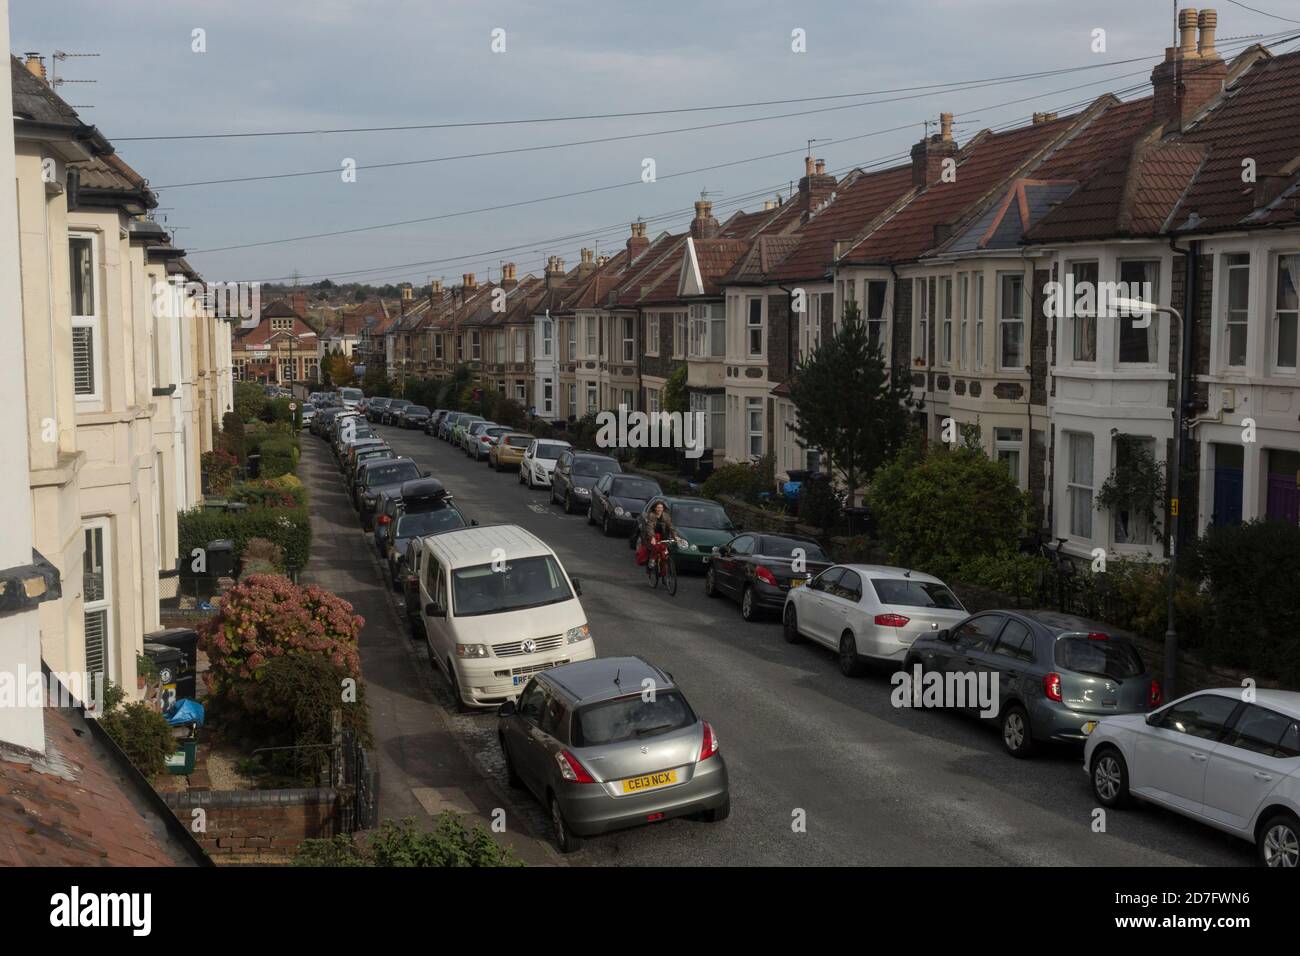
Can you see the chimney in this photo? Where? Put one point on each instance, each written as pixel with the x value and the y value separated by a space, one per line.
pixel 601 261
pixel 408 293
pixel 637 243
pixel 703 226
pixel 508 280
pixel 815 187
pixel 298 302
pixel 554 271
pixel 467 280
pixel 1040 118
pixel 435 291
pixel 587 263
pixel 35 64
pixel 768 205
pixel 928 155
pixel 1192 73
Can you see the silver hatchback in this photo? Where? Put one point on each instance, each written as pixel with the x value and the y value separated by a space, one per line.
pixel 611 743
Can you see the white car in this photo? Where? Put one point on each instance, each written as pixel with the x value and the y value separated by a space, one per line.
pixel 868 613
pixel 1212 756
pixel 498 607
pixel 539 462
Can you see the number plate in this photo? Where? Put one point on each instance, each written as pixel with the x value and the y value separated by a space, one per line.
pixel 649 781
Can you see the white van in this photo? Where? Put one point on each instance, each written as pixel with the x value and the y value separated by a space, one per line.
pixel 498 607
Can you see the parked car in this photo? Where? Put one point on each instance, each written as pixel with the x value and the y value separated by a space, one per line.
pixel 388 504
pixel 379 476
pixel 481 449
pixel 350 396
pixel 469 434
pixel 307 413
pixel 760 570
pixel 508 451
pixel 375 408
pixel 702 522
pixel 363 456
pixel 539 461
pixel 1056 674
pixel 448 425
pixel 413 416
pixel 498 607
pixel 1214 757
pixel 392 410
pixel 574 475
pixel 458 430
pixel 348 449
pixel 601 755
pixel 432 514
pixel 617 499
pixel 434 419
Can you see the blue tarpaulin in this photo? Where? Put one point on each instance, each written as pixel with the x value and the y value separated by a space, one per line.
pixel 185 711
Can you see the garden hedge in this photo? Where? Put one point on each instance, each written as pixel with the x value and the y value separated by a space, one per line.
pixel 290 528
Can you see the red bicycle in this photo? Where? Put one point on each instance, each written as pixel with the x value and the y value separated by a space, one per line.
pixel 660 566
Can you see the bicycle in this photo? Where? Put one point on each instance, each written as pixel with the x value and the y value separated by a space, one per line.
pixel 661 566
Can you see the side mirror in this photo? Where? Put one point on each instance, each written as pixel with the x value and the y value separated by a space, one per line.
pixel 507 709
pixel 426 473
pixel 473 522
pixel 577 587
pixel 433 609
pixel 945 635
pixel 1152 718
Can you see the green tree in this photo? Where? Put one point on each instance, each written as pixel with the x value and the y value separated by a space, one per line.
pixel 848 405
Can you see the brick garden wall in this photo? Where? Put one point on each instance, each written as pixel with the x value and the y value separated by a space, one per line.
pixel 256 826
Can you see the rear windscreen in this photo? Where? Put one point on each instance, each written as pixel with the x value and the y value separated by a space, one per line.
pixel 1111 658
pixel 519 441
pixel 591 467
pixel 915 594
pixel 632 718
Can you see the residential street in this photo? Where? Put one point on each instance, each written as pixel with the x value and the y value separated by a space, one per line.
pixel 876 785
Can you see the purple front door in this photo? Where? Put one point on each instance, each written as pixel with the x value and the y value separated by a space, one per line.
pixel 1284 497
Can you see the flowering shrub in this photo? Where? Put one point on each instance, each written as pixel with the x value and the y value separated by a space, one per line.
pixel 261 556
pixel 266 616
pixel 219 466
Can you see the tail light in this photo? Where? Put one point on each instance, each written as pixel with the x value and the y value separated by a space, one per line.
pixel 1155 694
pixel 765 575
pixel 710 745
pixel 891 620
pixel 484 439
pixel 1098 636
pixel 571 769
pixel 1052 686
pixel 384 519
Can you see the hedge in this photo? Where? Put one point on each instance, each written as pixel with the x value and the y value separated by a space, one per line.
pixel 290 528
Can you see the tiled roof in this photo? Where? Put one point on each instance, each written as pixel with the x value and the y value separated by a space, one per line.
pixel 76 806
pixel 647 271
pixel 716 258
pixel 34 100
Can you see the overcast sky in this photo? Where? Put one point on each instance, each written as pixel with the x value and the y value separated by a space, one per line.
pixel 324 64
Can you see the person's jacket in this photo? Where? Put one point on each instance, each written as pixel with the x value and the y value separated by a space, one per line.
pixel 669 532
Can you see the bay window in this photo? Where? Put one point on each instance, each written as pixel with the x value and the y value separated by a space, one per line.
pixel 1084 321
pixel 1286 314
pixel 1137 346
pixel 1011 322
pixel 1079 487
pixel 1236 309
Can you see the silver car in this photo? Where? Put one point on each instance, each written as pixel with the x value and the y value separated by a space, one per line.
pixel 611 743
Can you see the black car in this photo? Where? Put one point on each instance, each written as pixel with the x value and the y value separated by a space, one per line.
pixel 413 416
pixel 435 519
pixel 575 474
pixel 758 570
pixel 378 475
pixel 431 423
pixel 616 500
pixel 392 411
pixel 375 408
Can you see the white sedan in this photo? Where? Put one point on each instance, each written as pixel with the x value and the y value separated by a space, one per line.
pixel 1214 756
pixel 539 461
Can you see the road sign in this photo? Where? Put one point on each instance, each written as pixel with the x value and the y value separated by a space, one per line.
pixel 293 406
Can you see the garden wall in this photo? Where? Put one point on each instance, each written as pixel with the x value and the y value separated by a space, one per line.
pixel 256 826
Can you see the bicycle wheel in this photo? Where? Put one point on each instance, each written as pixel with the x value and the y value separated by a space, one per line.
pixel 670 575
pixel 652 571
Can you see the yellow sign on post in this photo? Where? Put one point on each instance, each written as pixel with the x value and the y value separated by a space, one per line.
pixel 1173 507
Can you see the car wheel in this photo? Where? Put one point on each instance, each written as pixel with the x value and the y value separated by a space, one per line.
pixel 568 503
pixel 512 775
pixel 591 514
pixel 850 663
pixel 710 585
pixel 718 814
pixel 1110 778
pixel 1279 841
pixel 565 840
pixel 461 706
pixel 790 625
pixel 1017 736
pixel 748 609
pixel 607 527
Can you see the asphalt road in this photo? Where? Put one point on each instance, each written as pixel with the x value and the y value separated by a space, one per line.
pixel 870 784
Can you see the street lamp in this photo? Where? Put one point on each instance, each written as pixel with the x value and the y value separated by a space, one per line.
pixel 1135 307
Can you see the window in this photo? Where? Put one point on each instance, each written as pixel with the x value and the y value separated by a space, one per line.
pixel 652 334
pixel 679 336
pixel 475 346
pixel 97 592
pixel 718 330
pixel 1203 716
pixel 628 399
pixel 591 397
pixel 1008 443
pixel 923 290
pixel 1131 527
pixel 754 327
pixel 1286 315
pixel 714 408
pixel 963 305
pixel 877 322
pixel 1016 641
pixel 1011 322
pixel 521 345
pixel 652 400
pixel 1263 732
pixel 979 633
pixel 573 339
pixel 1084 323
pixel 629 339
pixel 546 338
pixel 699 329
pixel 573 399
pixel 1079 483
pixel 1236 309
pixel 521 390
pixel 979 321
pixel 85 318
pixel 437 348
pixel 754 419
pixel 945 310
pixel 592 345
pixel 1137 346
pixel 548 397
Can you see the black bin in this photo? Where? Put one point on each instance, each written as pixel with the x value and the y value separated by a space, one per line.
pixel 168 661
pixel 254 465
pixel 221 558
pixel 859 520
pixel 185 641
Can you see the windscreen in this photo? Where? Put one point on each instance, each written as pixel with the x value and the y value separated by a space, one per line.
pixel 703 517
pixel 399 471
pixel 548 452
pixel 522 583
pixel 429 522
pixel 915 594
pixel 640 488
pixel 592 467
pixel 1110 658
pixel 785 547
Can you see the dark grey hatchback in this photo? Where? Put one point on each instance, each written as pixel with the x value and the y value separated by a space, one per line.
pixel 611 743
pixel 1054 675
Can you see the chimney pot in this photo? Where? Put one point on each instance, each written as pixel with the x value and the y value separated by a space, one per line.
pixel 820 167
pixel 1209 22
pixel 945 127
pixel 35 64
pixel 1187 32
pixel 467 279
pixel 807 165
pixel 586 255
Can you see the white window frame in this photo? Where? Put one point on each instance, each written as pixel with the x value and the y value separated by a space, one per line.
pixel 652 334
pixel 629 338
pixel 879 323
pixel 592 338
pixel 754 406
pixel 548 396
pixel 753 328
pixel 105 604
pixel 1079 324
pixel 593 397
pixel 979 321
pixel 521 345
pixel 1142 524
pixel 945 311
pixel 1010 446
pixel 475 346
pixel 95 322
pixel 521 390
pixel 680 334
pixel 547 335
pixel 1004 321
pixel 1227 268
pixel 1275 321
pixel 573 339
pixel 1074 488
pixel 1153 328
pixel 573 398
pixel 963 302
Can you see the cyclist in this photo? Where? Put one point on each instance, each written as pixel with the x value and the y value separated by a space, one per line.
pixel 659 527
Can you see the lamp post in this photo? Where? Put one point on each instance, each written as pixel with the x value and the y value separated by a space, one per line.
pixel 1132 307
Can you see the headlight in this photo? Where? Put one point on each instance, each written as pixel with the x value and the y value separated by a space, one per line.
pixel 471 650
pixel 691 547
pixel 575 634
pixel 619 512
pixel 583 491
pixel 371 499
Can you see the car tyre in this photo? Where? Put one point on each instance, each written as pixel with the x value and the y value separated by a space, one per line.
pixel 710 585
pixel 1279 841
pixel 1110 778
pixel 1017 736
pixel 850 662
pixel 515 781
pixel 459 701
pixel 566 841
pixel 591 514
pixel 790 625
pixel 719 813
pixel 748 609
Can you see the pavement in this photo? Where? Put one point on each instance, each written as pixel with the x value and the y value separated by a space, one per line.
pixel 824 770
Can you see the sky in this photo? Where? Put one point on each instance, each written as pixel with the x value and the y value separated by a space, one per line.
pixel 313 65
